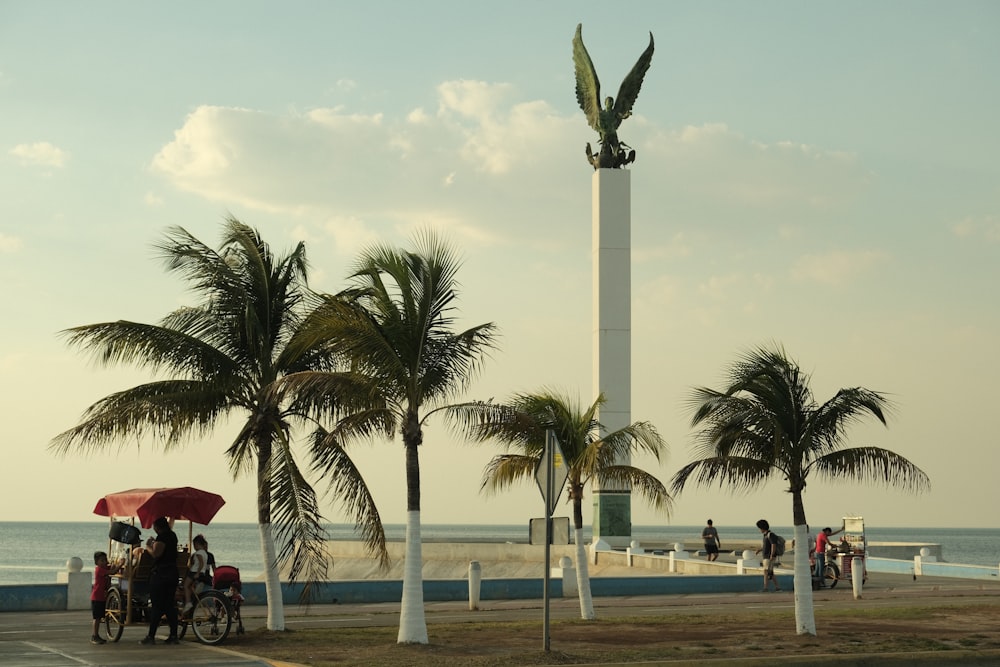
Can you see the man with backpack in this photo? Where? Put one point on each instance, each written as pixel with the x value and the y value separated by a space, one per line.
pixel 772 547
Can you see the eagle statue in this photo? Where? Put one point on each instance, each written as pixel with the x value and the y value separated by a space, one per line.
pixel 614 153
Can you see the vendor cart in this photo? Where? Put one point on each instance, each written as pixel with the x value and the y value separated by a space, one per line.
pixel 128 597
pixel 851 549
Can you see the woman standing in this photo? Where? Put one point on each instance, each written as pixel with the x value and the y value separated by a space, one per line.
pixel 163 581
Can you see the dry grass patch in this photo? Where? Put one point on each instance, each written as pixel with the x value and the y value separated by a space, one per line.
pixel 953 631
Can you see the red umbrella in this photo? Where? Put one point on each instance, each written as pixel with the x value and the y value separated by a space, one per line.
pixel 186 503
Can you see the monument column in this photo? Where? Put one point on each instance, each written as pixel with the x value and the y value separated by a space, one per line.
pixel 611 193
pixel 612 332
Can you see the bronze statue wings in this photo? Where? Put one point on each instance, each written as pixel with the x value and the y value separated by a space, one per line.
pixel 588 86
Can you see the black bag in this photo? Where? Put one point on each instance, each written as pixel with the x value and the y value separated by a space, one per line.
pixel 124 533
pixel 779 544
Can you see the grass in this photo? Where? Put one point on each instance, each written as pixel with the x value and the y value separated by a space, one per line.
pixel 972 629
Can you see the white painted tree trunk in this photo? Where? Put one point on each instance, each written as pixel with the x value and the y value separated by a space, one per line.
pixel 272 580
pixel 805 618
pixel 412 624
pixel 583 577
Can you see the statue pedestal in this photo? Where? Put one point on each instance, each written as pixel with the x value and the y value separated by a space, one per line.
pixel 612 335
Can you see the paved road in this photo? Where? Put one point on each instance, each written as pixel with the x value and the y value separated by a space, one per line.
pixel 60 639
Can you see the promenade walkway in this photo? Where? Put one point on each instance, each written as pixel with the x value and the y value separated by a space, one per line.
pixel 60 639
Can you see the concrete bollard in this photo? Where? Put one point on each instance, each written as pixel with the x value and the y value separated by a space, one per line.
pixel 919 560
pixel 857 575
pixel 745 562
pixel 475 580
pixel 633 549
pixel 78 584
pixel 598 545
pixel 567 573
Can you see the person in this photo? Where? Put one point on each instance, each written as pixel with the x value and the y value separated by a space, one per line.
pixel 197 571
pixel 163 581
pixel 712 543
pixel 210 569
pixel 822 544
pixel 769 549
pixel 99 593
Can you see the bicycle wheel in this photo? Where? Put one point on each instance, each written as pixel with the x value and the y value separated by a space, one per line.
pixel 831 575
pixel 114 615
pixel 211 618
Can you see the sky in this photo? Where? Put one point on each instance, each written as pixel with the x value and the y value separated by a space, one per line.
pixel 819 175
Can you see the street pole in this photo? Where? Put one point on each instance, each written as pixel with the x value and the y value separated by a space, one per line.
pixel 549 491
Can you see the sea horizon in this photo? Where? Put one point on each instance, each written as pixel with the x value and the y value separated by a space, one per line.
pixel 33 552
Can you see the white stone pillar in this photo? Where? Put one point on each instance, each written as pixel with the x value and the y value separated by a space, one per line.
pixel 567 573
pixel 78 584
pixel 612 335
pixel 475 582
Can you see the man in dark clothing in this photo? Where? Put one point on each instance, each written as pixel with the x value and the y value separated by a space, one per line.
pixel 769 549
pixel 163 581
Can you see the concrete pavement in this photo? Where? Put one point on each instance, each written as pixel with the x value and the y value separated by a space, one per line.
pixel 61 639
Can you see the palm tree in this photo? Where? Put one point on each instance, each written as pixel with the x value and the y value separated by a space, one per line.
pixel 223 357
pixel 521 425
pixel 766 424
pixel 394 330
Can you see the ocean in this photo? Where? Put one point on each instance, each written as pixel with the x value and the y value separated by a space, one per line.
pixel 34 552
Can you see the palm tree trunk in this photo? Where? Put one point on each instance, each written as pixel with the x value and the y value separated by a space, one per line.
pixel 412 624
pixel 805 615
pixel 272 580
pixel 583 577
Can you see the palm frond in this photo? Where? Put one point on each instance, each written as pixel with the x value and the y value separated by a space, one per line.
pixel 346 484
pixel 647 486
pixel 740 474
pixel 168 412
pixel 505 470
pixel 872 465
pixel 297 519
pixel 151 347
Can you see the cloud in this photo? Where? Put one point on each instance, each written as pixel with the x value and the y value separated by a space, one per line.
pixel 41 153
pixel 836 267
pixel 151 199
pixel 486 163
pixel 986 227
pixel 9 244
pixel 714 162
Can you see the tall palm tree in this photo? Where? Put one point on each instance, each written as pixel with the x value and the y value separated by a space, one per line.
pixel 589 453
pixel 222 357
pixel 394 330
pixel 766 424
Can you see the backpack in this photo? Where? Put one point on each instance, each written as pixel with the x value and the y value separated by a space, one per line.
pixel 779 545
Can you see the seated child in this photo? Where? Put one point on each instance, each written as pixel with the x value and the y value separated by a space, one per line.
pixel 197 566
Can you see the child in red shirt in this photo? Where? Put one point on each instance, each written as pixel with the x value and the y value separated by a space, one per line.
pixel 99 593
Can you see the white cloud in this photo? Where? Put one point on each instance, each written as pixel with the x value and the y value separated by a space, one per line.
pixel 9 243
pixel 985 227
pixel 151 199
pixel 836 267
pixel 40 153
pixel 713 162
pixel 481 164
pixel 476 99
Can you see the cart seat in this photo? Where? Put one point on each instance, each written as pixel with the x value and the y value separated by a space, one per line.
pixel 141 571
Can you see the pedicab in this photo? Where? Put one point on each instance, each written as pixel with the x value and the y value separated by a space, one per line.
pixel 128 598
